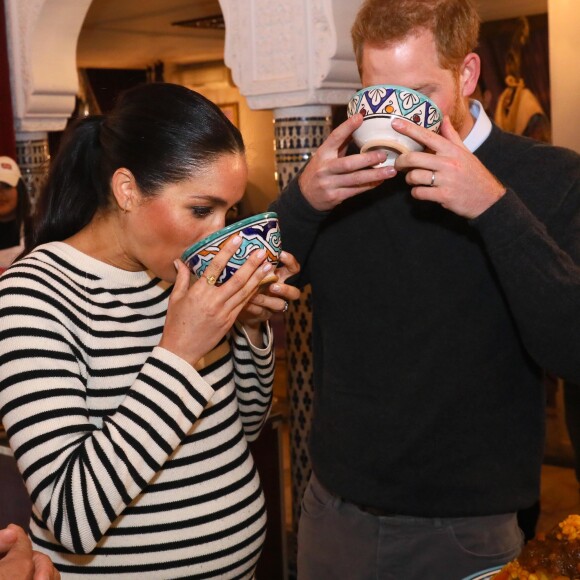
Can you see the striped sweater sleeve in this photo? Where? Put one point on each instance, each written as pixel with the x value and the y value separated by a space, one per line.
pixel 254 377
pixel 81 477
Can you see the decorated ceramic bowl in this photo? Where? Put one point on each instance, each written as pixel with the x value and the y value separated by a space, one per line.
pixel 379 105
pixel 257 232
pixel 484 574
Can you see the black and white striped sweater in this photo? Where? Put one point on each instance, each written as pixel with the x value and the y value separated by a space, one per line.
pixel 137 464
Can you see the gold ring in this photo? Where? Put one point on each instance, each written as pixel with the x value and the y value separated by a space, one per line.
pixel 211 280
pixel 432 179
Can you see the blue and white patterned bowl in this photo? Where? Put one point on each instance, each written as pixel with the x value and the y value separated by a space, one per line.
pixel 485 574
pixel 257 232
pixel 380 104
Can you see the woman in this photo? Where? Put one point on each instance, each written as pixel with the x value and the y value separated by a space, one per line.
pixel 129 402
pixel 14 211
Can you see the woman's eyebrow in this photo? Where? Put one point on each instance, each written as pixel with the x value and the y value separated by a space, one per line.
pixel 211 198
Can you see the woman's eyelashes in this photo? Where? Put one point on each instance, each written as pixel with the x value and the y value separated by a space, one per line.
pixel 201 211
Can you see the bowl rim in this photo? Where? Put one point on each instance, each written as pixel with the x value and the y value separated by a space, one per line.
pixel 484 574
pixel 398 87
pixel 227 230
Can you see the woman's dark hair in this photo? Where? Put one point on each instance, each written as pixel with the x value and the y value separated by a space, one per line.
pixel 163 133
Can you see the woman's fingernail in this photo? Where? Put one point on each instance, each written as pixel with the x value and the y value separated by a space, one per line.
pixel 176 264
pixel 283 255
pixel 267 266
pixel 236 240
pixel 275 288
pixel 261 253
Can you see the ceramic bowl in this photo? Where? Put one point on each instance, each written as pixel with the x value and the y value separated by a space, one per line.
pixel 257 231
pixel 379 105
pixel 485 574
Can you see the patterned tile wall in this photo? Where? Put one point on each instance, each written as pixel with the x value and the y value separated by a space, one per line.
pixel 33 159
pixel 296 139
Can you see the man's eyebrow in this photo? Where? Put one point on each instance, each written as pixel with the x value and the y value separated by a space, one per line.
pixel 424 88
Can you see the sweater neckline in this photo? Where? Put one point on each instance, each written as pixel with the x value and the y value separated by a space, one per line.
pixel 97 268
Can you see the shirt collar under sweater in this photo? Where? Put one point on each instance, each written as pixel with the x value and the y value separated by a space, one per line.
pixel 481 129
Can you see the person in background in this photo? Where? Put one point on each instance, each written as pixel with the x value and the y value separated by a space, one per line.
pixel 14 211
pixel 129 394
pixel 518 109
pixel 18 561
pixel 441 287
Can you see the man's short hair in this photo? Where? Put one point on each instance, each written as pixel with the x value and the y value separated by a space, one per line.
pixel 454 24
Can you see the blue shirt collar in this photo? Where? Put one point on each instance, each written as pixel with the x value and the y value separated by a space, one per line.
pixel 481 129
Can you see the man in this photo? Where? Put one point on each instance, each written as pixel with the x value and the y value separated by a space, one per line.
pixel 18 561
pixel 440 289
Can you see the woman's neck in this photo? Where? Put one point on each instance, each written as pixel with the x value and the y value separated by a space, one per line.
pixel 102 239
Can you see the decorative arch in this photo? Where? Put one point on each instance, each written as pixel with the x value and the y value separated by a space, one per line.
pixel 43 68
pixel 288 54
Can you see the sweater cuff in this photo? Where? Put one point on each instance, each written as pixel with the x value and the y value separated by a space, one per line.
pixel 301 207
pixel 267 339
pixel 505 221
pixel 194 383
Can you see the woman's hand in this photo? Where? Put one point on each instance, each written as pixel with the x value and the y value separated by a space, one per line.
pixel 199 315
pixel 272 297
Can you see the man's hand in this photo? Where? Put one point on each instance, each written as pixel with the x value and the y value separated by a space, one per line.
pixel 331 176
pixel 449 174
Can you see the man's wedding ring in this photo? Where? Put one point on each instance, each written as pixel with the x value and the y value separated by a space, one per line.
pixel 285 306
pixel 432 179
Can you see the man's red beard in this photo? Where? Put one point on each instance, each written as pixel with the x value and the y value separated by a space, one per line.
pixel 459 110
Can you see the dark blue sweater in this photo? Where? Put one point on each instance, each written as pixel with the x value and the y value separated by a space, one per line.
pixel 429 333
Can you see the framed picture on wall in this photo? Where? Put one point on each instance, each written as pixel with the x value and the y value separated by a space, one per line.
pixel 515 78
pixel 230 110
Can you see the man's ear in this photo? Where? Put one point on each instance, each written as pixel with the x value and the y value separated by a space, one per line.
pixel 124 189
pixel 469 74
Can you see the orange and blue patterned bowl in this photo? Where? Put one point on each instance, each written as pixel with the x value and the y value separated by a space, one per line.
pixel 257 232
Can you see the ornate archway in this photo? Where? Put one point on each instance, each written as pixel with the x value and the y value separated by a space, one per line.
pixel 43 75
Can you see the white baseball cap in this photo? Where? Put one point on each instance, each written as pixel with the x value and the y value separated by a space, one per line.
pixel 9 171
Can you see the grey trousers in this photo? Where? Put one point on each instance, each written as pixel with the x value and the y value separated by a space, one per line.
pixel 338 541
